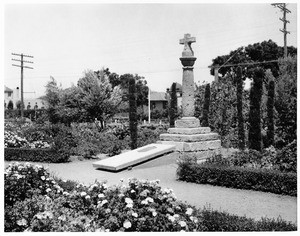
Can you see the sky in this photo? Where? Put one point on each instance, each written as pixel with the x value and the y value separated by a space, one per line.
pixel 67 39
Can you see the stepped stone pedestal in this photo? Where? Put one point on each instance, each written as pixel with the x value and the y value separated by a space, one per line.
pixel 192 140
pixel 188 136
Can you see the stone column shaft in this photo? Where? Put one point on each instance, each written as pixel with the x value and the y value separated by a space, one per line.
pixel 188 107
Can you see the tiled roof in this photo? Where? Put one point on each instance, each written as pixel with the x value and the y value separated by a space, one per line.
pixel 6 89
pixel 158 96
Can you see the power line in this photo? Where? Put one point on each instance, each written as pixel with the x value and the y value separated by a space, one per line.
pixel 282 7
pixel 216 67
pixel 22 67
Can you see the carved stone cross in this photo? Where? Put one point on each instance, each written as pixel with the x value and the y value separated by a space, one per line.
pixel 187 41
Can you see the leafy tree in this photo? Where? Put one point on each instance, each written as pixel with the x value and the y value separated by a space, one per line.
pixel 92 98
pixel 206 106
pixel 257 52
pixel 123 81
pixel 97 97
pixel 239 99
pixel 10 105
pixel 132 112
pixel 173 105
pixel 286 102
pixel 255 137
pixel 52 99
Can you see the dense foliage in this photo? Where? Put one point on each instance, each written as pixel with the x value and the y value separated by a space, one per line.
pixel 37 202
pixel 173 105
pixel 286 102
pixel 255 138
pixel 222 117
pixel 35 155
pixel 228 98
pixel 78 139
pixel 270 113
pixel 220 173
pixel 92 98
pixel 239 106
pixel 204 120
pixel 132 113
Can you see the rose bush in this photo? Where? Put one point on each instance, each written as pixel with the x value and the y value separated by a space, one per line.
pixel 34 201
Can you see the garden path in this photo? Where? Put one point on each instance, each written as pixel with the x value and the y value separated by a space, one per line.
pixel 248 203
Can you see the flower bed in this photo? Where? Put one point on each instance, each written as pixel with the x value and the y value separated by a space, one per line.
pixel 238 177
pixel 34 201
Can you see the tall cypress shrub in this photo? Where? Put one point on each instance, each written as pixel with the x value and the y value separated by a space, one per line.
pixel 255 137
pixel 270 112
pixel 239 98
pixel 173 105
pixel 205 113
pixel 132 112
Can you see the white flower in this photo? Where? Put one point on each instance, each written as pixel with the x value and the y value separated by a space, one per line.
pixel 171 218
pixel 104 186
pixel 154 213
pixel 126 224
pixel 192 218
pixel 66 193
pixel 182 223
pixel 129 205
pixel 22 222
pixel 176 216
pixel 144 202
pixel 82 194
pixel 132 191
pixel 128 200
pixel 134 214
pixel 92 187
pixel 87 197
pixel 101 195
pixel 62 218
pixel 189 211
pixel 149 199
pixel 104 202
pixel 48 190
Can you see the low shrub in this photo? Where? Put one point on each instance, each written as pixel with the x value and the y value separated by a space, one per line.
pixel 238 177
pixel 222 221
pixel 35 202
pixel 35 155
pixel 149 134
pixel 287 158
pixel 271 159
pixel 22 180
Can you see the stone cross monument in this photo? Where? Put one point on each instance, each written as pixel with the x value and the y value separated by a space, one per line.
pixel 188 136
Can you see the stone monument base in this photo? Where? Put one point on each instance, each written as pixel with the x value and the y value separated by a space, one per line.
pixel 192 140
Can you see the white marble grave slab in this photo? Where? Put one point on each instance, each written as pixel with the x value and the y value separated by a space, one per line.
pixel 134 157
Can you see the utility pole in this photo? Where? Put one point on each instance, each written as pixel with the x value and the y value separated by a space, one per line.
pixel 22 67
pixel 282 7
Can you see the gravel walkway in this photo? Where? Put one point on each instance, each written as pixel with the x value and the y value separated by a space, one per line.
pixel 248 203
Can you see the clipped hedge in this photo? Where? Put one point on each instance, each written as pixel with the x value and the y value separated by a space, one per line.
pixel 216 221
pixel 237 177
pixel 35 155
